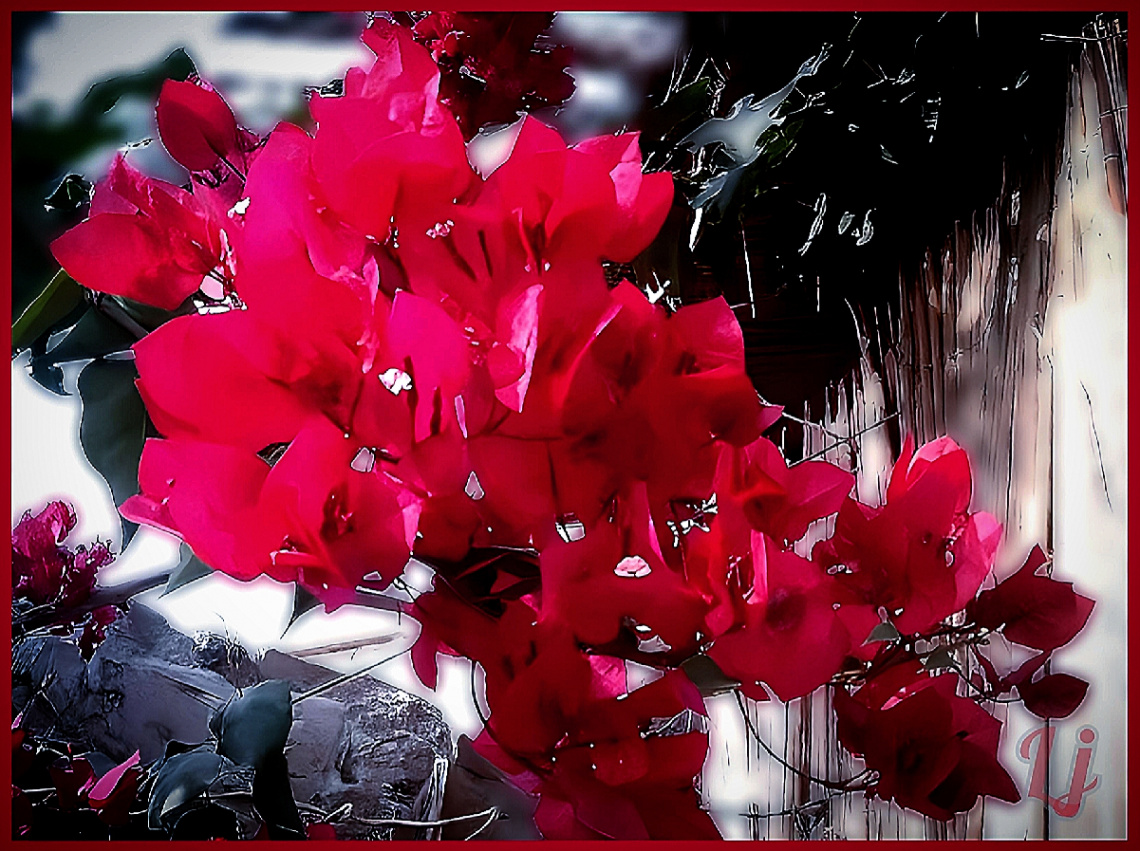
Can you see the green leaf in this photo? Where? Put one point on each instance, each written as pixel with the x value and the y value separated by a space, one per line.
pixel 940 658
pixel 71 194
pixel 883 632
pixel 303 601
pixel 94 336
pixel 273 798
pixel 181 780
pixel 113 428
pixel 190 568
pixel 148 316
pixel 44 372
pixel 51 308
pixel 707 676
pixel 104 95
pixel 253 727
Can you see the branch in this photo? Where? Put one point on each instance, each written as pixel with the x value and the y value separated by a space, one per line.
pixel 848 785
pixel 341 646
pixel 116 595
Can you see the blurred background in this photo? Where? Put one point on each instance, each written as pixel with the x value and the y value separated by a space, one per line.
pixel 928 239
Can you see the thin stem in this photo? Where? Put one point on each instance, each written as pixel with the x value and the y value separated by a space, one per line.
pixel 846 440
pixel 379 600
pixel 232 168
pixel 339 647
pixel 114 311
pixel 839 785
pixel 113 596
pixel 344 678
pixel 491 812
pixel 802 807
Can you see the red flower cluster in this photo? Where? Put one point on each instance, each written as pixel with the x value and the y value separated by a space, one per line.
pixel 46 573
pixel 933 751
pixel 922 556
pixel 396 357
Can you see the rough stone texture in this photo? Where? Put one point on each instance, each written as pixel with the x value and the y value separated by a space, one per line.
pixel 139 690
pixel 225 657
pixel 363 742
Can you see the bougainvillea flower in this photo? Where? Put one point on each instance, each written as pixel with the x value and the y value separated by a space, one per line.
pixel 73 778
pixel 145 239
pixel 416 350
pixel 922 555
pixel 114 793
pixel 1036 610
pixel 934 752
pixel 206 494
pixel 300 268
pixel 329 524
pixel 1053 695
pixel 95 629
pixel 495 65
pixel 311 518
pixel 650 395
pixel 386 151
pixel 792 606
pixel 46 572
pixel 614 775
pixel 198 382
pixel 197 128
pixel 38 560
pixel 614 582
pixel 591 201
pixel 779 500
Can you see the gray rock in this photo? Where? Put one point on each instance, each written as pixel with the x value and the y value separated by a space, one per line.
pixel 386 745
pixel 364 742
pixel 139 690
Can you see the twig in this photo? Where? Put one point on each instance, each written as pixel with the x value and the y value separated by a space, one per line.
pixel 344 678
pixel 846 440
pixel 325 649
pixel 490 814
pixel 231 167
pixel 115 595
pixel 113 311
pixel 838 785
pixel 379 600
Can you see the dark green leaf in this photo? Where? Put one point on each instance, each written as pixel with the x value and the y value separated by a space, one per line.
pixel 46 374
pixel 71 194
pixel 940 658
pixel 93 336
pixel 190 568
pixel 113 428
pixel 707 676
pixel 303 601
pixel 212 821
pixel 181 779
pixel 254 727
pixel 104 95
pixel 147 316
pixel 55 304
pixel 473 785
pixel 273 797
pixel 883 632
